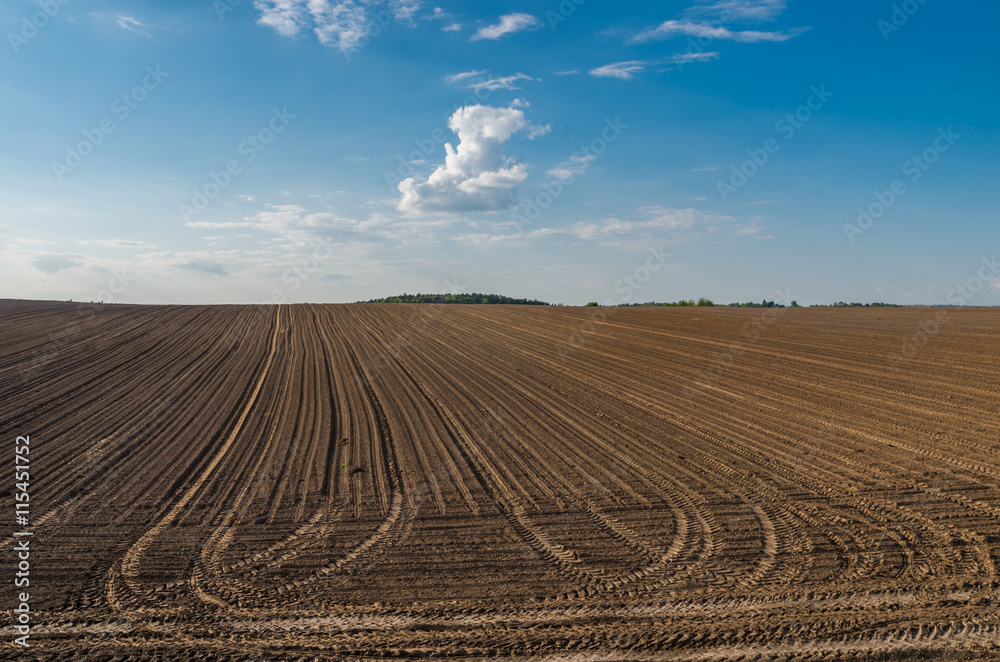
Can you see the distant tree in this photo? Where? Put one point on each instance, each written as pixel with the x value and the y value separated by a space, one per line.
pixel 591 304
pixel 474 298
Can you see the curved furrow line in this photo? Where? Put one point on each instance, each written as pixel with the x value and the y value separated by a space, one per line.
pixel 219 575
pixel 568 560
pixel 629 576
pixel 398 521
pixel 124 579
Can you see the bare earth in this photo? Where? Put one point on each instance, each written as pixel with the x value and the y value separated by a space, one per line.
pixel 333 482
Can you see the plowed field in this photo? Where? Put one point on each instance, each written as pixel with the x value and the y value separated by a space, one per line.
pixel 360 481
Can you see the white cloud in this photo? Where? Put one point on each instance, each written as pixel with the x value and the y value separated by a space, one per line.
pixel 655 219
pixel 287 17
pixel 476 176
pixel 341 24
pixel 650 224
pixel 739 10
pixel 133 25
pixel 669 29
pixel 404 10
pixel 441 15
pixel 628 70
pixel 292 227
pixel 116 243
pixel 509 23
pixel 454 79
pixel 565 73
pixel 706 169
pixel 484 83
pixel 576 166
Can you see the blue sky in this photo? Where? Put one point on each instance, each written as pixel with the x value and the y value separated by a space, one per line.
pixel 316 150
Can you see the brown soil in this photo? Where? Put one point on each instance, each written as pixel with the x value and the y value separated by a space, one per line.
pixel 329 482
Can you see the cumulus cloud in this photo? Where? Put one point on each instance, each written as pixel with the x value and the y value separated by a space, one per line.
pixel 476 175
pixel 669 29
pixel 509 24
pixel 341 24
pixel 628 70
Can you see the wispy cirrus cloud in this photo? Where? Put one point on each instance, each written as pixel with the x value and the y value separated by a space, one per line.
pixel 738 10
pixel 576 166
pixel 480 80
pixel 133 25
pixel 455 79
pixel 670 29
pixel 637 231
pixel 627 70
pixel 509 24
pixel 292 227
